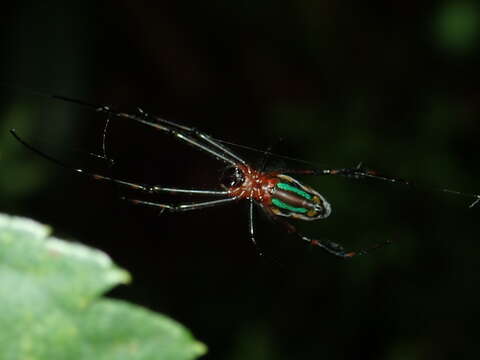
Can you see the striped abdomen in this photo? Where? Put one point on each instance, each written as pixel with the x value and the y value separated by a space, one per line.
pixel 290 198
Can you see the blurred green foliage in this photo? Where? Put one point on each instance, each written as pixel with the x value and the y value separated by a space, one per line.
pixel 457 26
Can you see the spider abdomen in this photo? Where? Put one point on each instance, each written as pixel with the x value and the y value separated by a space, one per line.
pixel 290 198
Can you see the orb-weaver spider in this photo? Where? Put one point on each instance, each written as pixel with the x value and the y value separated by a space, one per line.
pixel 277 193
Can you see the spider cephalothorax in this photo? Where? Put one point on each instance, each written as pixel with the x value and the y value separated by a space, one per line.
pixel 256 185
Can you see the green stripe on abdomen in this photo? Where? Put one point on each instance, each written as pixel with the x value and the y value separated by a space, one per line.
pixel 282 205
pixel 296 190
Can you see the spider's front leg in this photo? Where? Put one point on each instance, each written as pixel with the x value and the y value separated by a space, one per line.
pixel 182 207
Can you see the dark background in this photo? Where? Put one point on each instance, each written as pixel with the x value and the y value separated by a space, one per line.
pixel 392 84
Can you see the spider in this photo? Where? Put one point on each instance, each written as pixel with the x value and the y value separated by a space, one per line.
pixel 277 193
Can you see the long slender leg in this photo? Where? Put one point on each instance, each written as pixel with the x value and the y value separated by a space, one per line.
pixel 360 172
pixel 182 207
pixel 218 154
pixel 203 136
pixel 329 246
pixel 338 250
pixel 155 189
pixel 251 227
pixel 356 172
pixel 142 187
pixel 181 132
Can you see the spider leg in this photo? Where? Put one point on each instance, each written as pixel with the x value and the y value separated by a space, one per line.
pixel 220 153
pixel 182 207
pixel 193 131
pixel 359 172
pixel 141 187
pixel 356 172
pixel 155 189
pixel 337 250
pixel 251 227
pixel 327 245
pixel 189 135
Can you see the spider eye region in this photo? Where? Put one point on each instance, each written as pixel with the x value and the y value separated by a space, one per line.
pixel 232 177
pixel 290 198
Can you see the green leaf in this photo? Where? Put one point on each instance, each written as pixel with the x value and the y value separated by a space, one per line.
pixel 50 305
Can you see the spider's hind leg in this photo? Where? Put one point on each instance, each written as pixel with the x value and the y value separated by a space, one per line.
pixel 338 250
pixel 327 245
